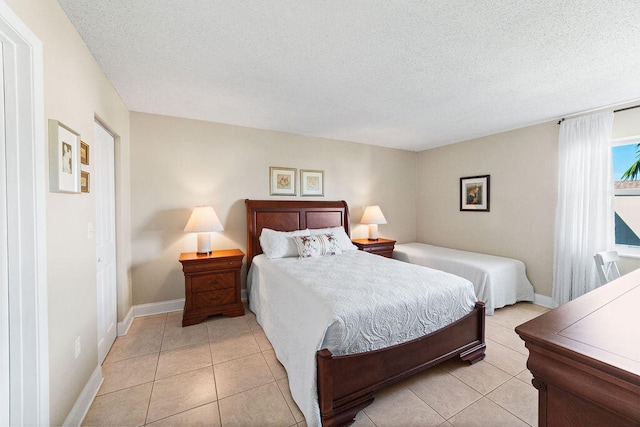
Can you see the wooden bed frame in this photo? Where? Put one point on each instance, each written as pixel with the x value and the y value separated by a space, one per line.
pixel 347 384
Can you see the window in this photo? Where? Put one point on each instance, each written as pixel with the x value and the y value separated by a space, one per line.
pixel 626 177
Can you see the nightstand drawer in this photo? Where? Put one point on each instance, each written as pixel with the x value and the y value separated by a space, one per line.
pixel 211 282
pixel 388 253
pixel 213 298
pixel 212 264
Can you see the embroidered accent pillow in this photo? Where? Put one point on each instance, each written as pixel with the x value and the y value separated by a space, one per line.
pixel 317 245
pixel 341 236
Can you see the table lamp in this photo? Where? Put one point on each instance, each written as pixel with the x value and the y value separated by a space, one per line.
pixel 373 216
pixel 203 221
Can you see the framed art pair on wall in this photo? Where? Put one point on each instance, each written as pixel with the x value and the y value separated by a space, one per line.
pixel 282 182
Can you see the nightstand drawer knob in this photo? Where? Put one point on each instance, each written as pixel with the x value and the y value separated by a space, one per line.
pixel 213 282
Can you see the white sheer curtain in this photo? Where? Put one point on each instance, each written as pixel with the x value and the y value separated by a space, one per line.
pixel 584 216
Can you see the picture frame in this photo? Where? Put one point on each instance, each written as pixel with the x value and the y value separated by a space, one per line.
pixel 282 181
pixel 311 182
pixel 64 158
pixel 474 193
pixel 84 153
pixel 85 182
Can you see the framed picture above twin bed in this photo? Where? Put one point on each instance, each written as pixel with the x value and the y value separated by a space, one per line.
pixel 474 193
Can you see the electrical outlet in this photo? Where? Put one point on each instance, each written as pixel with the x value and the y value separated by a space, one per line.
pixel 78 347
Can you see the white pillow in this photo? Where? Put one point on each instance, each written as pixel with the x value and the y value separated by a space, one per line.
pixel 317 245
pixel 341 235
pixel 280 244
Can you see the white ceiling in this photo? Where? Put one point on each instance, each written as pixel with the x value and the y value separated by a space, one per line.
pixel 404 74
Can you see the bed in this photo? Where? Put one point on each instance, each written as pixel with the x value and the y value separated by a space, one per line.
pixel 343 383
pixel 498 281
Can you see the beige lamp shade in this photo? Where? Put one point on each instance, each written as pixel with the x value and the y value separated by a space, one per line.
pixel 203 221
pixel 373 216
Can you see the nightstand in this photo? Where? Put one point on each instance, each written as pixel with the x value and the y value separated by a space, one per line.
pixel 211 284
pixel 383 247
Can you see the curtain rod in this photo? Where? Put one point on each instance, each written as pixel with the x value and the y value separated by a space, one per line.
pixel 615 111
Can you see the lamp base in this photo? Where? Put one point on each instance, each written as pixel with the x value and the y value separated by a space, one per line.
pixel 373 232
pixel 204 243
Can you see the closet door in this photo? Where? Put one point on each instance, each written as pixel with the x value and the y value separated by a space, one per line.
pixel 102 155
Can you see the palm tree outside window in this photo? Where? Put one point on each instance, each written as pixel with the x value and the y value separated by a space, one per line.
pixel 626 170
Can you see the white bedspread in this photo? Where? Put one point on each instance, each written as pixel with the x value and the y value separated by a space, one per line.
pixel 349 303
pixel 498 281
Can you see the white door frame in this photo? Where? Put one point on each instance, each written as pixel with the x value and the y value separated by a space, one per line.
pixel 28 347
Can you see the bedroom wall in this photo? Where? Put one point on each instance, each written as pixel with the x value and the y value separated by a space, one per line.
pixel 177 164
pixel 523 168
pixel 75 89
pixel 523 191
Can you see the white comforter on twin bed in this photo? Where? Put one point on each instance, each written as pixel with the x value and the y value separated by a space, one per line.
pixel 498 281
pixel 348 303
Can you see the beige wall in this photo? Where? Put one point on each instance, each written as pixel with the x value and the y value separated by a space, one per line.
pixel 177 164
pixel 75 90
pixel 523 168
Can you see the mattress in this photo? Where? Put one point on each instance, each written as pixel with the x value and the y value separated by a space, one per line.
pixel 348 303
pixel 497 281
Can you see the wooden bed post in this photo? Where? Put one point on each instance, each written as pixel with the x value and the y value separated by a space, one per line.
pixel 325 383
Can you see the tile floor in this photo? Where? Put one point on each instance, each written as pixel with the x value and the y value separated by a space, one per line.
pixel 223 372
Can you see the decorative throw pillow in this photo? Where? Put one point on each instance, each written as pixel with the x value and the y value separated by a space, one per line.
pixel 317 245
pixel 280 244
pixel 341 235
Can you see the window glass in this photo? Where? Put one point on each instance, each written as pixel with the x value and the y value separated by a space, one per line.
pixel 626 176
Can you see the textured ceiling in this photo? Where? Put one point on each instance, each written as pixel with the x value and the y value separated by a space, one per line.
pixel 404 74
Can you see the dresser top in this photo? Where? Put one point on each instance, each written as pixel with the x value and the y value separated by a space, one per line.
pixel 600 327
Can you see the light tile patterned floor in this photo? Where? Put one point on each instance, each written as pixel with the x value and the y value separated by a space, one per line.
pixel 223 372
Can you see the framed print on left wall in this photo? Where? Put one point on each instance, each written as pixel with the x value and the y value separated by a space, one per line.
pixel 64 158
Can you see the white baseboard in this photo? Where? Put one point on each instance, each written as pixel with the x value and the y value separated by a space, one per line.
pixel 84 401
pixel 158 307
pixel 155 308
pixel 544 301
pixel 123 327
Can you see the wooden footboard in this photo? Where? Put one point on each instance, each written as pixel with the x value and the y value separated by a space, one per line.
pixel 347 384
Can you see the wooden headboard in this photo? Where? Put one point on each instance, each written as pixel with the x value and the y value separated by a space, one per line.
pixel 289 215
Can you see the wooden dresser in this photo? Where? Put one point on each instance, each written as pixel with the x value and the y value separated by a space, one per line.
pixel 585 357
pixel 211 284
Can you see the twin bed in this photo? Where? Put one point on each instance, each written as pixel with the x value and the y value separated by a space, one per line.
pixel 498 281
pixel 345 323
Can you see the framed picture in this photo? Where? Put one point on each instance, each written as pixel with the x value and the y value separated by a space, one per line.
pixel 474 193
pixel 311 183
pixel 282 181
pixel 84 182
pixel 64 158
pixel 84 153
